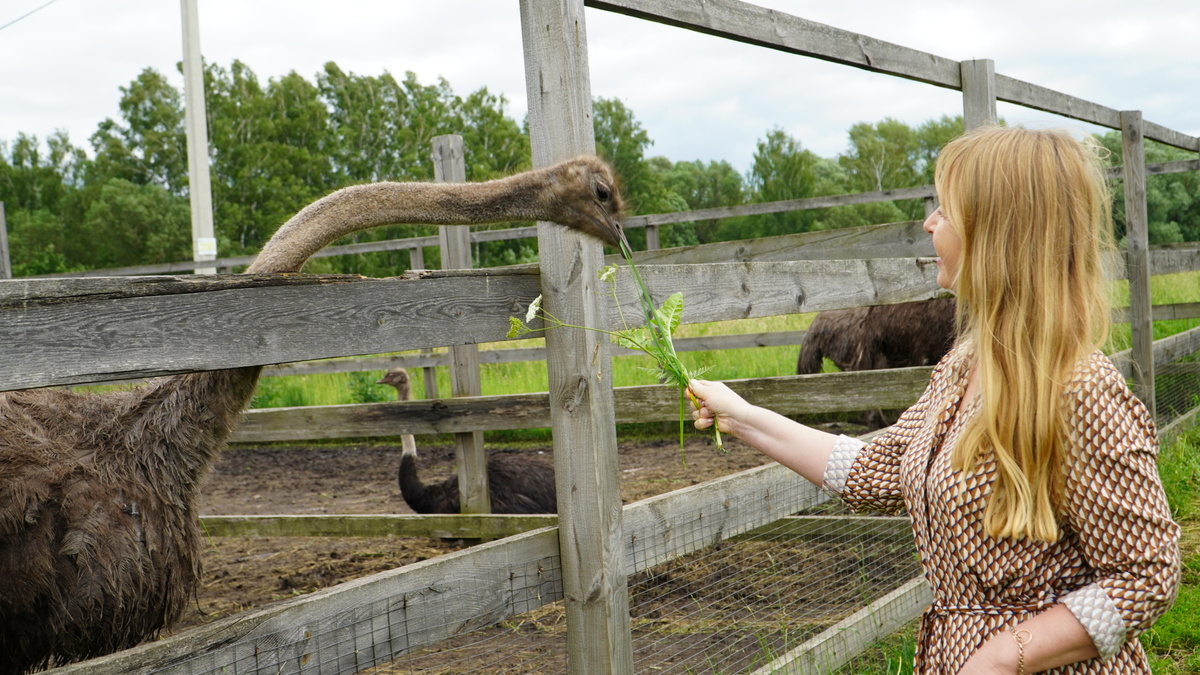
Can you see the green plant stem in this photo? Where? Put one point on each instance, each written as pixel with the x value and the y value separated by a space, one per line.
pixel 662 339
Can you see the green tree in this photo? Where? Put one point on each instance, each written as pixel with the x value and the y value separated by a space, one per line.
pixel 833 179
pixel 1172 200
pixel 33 177
pixel 885 156
pixel 882 156
pixel 150 146
pixel 705 186
pixel 270 153
pixel 36 241
pixel 494 145
pixel 131 224
pixel 622 141
pixel 932 136
pixel 382 127
pixel 40 188
pixel 782 170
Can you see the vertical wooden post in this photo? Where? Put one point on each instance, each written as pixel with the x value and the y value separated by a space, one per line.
pixel 416 261
pixel 1137 256
pixel 5 255
pixel 455 240
pixel 653 240
pixel 591 541
pixel 979 92
pixel 204 243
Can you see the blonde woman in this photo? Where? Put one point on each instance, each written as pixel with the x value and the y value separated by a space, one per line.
pixel 1027 466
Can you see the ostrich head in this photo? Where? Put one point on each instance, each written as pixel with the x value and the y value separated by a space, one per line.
pixel 596 210
pixel 398 378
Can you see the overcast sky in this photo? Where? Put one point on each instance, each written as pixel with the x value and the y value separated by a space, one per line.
pixel 698 97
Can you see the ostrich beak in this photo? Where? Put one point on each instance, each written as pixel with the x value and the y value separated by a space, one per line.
pixel 610 230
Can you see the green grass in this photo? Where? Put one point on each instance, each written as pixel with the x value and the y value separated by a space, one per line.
pixel 1173 643
pixel 1167 289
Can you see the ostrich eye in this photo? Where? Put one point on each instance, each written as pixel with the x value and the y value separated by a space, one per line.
pixel 603 193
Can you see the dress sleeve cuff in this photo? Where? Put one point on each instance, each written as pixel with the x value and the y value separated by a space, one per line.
pixel 841 459
pixel 1099 616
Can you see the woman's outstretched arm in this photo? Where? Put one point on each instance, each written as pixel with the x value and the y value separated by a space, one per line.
pixel 800 448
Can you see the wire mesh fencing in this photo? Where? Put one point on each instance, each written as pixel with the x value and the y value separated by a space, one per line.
pixel 742 605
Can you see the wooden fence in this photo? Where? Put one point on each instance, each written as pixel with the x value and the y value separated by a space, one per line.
pixel 67 331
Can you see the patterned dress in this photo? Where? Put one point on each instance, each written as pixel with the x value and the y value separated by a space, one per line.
pixel 1116 565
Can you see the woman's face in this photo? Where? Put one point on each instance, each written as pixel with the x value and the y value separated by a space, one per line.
pixel 948 245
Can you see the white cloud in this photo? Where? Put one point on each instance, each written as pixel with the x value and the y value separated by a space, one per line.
pixel 699 97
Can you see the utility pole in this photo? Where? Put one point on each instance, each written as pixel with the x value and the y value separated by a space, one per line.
pixel 204 243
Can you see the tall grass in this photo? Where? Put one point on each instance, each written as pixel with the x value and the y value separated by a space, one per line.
pixel 1173 643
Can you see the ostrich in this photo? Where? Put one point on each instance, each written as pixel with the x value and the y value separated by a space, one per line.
pixel 99 538
pixel 516 484
pixel 882 336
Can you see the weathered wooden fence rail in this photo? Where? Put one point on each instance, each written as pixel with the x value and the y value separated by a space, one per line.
pixel 436 359
pixel 789 395
pixel 71 331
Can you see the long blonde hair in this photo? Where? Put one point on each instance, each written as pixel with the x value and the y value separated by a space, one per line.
pixel 1032 208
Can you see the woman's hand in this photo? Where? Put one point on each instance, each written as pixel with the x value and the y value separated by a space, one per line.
pixel 714 401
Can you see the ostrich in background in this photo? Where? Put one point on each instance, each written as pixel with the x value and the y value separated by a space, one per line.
pixel 516 483
pixel 881 336
pixel 99 538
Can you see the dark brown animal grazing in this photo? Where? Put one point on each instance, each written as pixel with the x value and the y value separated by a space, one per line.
pixel 99 538
pixel 881 336
pixel 516 483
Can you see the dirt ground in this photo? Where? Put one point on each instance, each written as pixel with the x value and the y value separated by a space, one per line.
pixel 242 573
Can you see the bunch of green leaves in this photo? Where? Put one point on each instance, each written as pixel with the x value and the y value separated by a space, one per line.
pixel 652 338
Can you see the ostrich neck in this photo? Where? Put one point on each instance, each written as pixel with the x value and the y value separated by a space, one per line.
pixel 362 207
pixel 181 423
pixel 211 402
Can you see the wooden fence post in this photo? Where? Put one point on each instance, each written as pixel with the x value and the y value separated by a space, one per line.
pixel 416 261
pixel 449 167
pixel 582 410
pixel 653 242
pixel 1137 256
pixel 979 92
pixel 5 256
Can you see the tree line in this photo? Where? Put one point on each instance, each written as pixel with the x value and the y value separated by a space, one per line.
pixel 275 147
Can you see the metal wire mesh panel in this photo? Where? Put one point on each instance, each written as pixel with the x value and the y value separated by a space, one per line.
pixel 748 602
pixel 731 607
